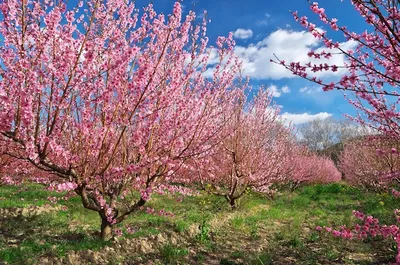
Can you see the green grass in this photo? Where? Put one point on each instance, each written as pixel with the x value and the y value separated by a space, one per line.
pixel 284 227
pixel 25 196
pixel 173 255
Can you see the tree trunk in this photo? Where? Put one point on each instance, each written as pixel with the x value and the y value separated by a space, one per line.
pixel 232 202
pixel 294 186
pixel 106 231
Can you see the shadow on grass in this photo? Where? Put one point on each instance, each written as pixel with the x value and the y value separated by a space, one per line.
pixel 25 239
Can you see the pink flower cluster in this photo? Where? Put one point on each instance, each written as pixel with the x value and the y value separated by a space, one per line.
pixel 110 214
pixel 66 186
pixel 146 194
pixel 131 230
pixel 153 211
pixel 370 227
pixel 53 199
pixel 118 232
pixel 396 193
pixel 7 180
pixel 175 189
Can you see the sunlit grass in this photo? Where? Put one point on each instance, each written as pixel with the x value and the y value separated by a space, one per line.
pixel 288 224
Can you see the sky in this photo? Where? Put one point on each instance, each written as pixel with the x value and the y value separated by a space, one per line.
pixel 264 28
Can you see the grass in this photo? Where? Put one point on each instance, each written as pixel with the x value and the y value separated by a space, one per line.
pixel 173 255
pixel 18 197
pixel 261 231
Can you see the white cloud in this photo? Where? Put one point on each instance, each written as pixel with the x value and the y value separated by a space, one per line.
pixel 285 89
pixel 288 45
pixel 274 90
pixel 243 34
pixel 213 59
pixel 299 118
pixel 306 90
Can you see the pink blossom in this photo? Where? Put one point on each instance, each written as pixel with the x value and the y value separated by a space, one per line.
pixel 66 186
pixel 118 232
pixel 130 230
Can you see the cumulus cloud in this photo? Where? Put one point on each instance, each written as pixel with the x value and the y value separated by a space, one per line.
pixel 276 92
pixel 243 34
pixel 288 45
pixel 299 118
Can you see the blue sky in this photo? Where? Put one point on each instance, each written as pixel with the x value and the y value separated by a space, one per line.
pixel 265 27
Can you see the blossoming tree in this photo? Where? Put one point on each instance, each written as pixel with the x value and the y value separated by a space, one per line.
pixel 309 168
pixel 253 156
pixel 109 102
pixel 371 162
